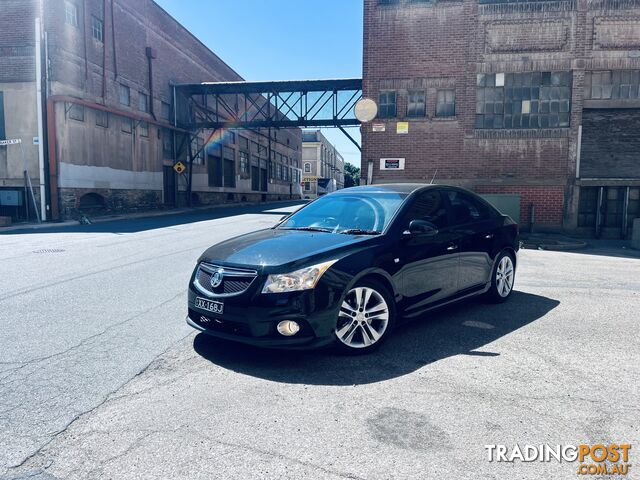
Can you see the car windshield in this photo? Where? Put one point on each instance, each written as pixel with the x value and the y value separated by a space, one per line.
pixel 355 214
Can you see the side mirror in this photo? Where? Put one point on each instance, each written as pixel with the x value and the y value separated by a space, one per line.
pixel 422 227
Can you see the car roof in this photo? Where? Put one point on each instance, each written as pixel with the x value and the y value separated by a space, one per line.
pixel 399 188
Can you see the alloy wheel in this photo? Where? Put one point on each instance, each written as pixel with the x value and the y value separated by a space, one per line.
pixel 504 276
pixel 363 318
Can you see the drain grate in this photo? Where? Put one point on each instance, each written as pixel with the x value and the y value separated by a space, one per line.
pixel 50 250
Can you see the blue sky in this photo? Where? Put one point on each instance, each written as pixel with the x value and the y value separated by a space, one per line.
pixel 281 40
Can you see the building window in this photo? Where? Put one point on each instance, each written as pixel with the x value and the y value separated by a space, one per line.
pixel 167 143
pixel 76 112
pixel 231 138
pixel 71 13
pixel 244 142
pixel 165 111
pixel 387 104
pixel 613 84
pixel 244 164
pixel 102 119
pixel 127 125
pixel 523 100
pixel 198 151
pixel 97 28
pixel 144 129
pixel 143 102
pixel 446 103
pixel 388 2
pixel 125 95
pixel 307 186
pixel 416 104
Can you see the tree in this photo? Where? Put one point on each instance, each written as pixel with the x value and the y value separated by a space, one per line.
pixel 351 175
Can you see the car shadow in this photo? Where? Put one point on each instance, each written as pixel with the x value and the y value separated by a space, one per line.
pixel 458 330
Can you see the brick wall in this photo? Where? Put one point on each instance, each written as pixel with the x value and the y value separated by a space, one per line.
pixel 433 45
pixel 17 40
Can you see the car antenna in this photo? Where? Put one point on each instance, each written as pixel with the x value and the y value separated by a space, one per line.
pixel 434 177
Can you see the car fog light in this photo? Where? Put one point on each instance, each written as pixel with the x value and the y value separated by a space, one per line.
pixel 288 328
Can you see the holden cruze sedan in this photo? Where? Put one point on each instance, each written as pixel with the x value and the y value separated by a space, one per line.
pixel 348 267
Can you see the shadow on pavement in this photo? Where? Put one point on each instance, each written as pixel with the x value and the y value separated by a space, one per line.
pixel 141 224
pixel 461 329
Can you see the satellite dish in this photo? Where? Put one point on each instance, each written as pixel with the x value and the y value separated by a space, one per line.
pixel 366 110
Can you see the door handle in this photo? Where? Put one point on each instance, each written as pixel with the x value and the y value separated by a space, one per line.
pixel 489 236
pixel 452 248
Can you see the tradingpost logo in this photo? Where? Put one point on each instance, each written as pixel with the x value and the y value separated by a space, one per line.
pixel 597 459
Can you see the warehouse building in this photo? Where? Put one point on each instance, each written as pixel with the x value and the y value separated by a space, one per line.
pixel 534 104
pixel 101 134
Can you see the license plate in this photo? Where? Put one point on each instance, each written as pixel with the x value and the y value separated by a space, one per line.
pixel 209 305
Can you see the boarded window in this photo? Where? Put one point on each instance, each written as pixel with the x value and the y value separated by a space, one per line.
pixel 75 112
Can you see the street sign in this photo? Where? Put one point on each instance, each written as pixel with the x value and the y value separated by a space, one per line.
pixel 15 141
pixel 402 128
pixel 179 167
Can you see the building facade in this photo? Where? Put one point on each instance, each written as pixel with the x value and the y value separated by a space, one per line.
pixel 322 165
pixel 535 104
pixel 108 136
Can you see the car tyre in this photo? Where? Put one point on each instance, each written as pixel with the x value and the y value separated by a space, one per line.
pixel 502 278
pixel 366 318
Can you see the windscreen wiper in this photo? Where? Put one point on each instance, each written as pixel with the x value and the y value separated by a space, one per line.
pixel 309 229
pixel 359 231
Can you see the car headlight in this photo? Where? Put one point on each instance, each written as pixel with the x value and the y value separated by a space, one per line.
pixel 303 279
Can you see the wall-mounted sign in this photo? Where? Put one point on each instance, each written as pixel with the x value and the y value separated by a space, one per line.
pixel 15 141
pixel 309 179
pixel 392 164
pixel 378 127
pixel 402 128
pixel 36 140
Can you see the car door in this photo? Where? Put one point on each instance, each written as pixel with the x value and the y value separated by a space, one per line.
pixel 475 226
pixel 429 263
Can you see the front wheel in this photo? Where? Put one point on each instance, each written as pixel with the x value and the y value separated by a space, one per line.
pixel 502 279
pixel 366 318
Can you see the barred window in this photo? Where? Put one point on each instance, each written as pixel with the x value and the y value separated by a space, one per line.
pixel 523 100
pixel 387 104
pixel 446 103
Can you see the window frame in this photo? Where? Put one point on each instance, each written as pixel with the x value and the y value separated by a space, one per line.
pixel 71 16
pixel 102 114
pixel 122 88
pixel 416 113
pixel 445 91
pixel 97 28
pixel 383 107
pixel 143 96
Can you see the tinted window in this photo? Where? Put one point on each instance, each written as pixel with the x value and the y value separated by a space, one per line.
pixel 466 209
pixel 429 206
pixel 338 213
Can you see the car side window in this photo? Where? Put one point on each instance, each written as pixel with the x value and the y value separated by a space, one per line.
pixel 466 209
pixel 428 206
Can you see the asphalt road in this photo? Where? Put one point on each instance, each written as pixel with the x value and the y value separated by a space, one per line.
pixel 101 378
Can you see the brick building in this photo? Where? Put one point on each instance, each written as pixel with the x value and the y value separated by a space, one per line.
pixel 108 137
pixel 322 164
pixel 537 103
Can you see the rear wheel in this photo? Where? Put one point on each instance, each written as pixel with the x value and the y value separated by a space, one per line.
pixel 502 279
pixel 366 318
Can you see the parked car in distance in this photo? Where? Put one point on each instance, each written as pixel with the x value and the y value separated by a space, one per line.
pixel 348 267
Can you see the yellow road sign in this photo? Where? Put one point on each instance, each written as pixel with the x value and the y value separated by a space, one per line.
pixel 179 167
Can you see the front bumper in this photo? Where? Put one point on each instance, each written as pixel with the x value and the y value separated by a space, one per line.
pixel 252 318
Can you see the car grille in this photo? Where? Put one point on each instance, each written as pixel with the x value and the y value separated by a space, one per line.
pixel 219 325
pixel 234 280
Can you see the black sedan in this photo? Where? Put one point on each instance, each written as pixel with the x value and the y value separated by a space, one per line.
pixel 348 267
